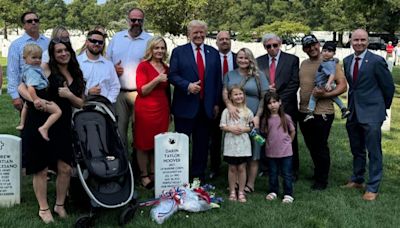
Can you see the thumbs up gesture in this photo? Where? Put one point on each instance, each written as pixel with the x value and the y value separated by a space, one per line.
pixel 118 68
pixel 64 91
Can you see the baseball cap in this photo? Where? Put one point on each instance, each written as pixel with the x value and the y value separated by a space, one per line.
pixel 330 46
pixel 308 40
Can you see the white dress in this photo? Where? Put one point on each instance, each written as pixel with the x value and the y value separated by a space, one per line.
pixel 237 145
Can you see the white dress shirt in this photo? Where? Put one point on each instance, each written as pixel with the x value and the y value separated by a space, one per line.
pixel 130 52
pixel 100 72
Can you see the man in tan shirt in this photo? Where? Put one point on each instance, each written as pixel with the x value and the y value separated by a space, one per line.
pixel 316 131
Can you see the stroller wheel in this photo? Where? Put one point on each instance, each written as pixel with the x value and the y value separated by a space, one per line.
pixel 84 221
pixel 127 214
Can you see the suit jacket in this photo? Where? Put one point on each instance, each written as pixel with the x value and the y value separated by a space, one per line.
pixel 183 70
pixel 372 93
pixel 286 79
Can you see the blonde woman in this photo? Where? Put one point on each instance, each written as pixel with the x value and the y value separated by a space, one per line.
pixel 152 106
pixel 255 86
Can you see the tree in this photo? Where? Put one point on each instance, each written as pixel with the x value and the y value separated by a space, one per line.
pixel 10 14
pixel 286 29
pixel 172 16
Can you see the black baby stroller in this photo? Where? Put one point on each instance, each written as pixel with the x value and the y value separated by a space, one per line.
pixel 101 161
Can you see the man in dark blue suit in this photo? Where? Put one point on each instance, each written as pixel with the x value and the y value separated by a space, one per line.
pixel 195 72
pixel 228 63
pixel 370 94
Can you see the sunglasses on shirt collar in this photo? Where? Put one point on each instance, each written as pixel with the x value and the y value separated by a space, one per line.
pixel 30 21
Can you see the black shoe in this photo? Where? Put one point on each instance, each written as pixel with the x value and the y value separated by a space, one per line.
pixel 318 186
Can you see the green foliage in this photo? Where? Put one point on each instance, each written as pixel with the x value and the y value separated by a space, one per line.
pixel 172 16
pixel 283 28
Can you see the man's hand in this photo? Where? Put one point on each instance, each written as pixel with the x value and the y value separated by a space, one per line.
pixel 194 87
pixel 18 103
pixel 119 69
pixel 95 90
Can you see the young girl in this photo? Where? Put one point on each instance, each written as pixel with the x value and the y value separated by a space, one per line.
pixel 237 146
pixel 37 83
pixel 278 128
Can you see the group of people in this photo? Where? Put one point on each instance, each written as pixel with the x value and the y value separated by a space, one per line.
pixel 214 91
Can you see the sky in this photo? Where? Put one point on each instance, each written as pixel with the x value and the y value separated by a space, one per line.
pixel 98 1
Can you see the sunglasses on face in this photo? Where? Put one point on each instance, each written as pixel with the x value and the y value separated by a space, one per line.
pixel 134 20
pixel 94 41
pixel 58 40
pixel 30 21
pixel 269 46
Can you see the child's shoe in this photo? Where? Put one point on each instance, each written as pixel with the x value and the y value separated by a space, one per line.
pixel 242 197
pixel 287 199
pixel 271 196
pixel 309 117
pixel 345 113
pixel 232 196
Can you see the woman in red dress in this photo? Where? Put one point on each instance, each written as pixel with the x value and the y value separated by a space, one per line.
pixel 152 106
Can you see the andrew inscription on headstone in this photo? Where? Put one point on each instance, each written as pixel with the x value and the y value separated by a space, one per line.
pixel 10 170
pixel 171 161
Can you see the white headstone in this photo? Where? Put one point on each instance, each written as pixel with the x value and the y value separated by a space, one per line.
pixel 386 123
pixel 171 161
pixel 10 170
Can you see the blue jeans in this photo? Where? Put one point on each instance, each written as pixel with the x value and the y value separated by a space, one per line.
pixel 313 101
pixel 283 166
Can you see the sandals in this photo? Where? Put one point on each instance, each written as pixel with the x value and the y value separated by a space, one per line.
pixel 242 197
pixel 46 215
pixel 232 196
pixel 287 199
pixel 271 196
pixel 60 210
pixel 149 185
pixel 248 189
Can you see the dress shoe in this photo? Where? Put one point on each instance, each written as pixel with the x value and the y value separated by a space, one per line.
pixel 370 196
pixel 354 185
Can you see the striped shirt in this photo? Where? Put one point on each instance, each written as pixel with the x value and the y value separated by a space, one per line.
pixel 15 61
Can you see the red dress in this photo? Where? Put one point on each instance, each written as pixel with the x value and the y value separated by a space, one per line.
pixel 151 111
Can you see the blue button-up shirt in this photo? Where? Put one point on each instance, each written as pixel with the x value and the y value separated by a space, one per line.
pixel 15 61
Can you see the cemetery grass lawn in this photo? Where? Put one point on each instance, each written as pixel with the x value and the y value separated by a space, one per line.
pixel 334 207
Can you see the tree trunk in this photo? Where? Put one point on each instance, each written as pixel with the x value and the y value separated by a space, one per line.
pixel 334 36
pixel 340 39
pixel 5 31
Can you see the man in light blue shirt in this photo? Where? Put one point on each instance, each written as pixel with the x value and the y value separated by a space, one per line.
pixel 15 61
pixel 99 73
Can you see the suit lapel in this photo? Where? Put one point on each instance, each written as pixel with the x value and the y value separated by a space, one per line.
pixel 190 55
pixel 279 68
pixel 347 69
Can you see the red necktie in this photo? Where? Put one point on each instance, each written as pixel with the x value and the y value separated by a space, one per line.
pixel 225 66
pixel 355 69
pixel 200 68
pixel 272 71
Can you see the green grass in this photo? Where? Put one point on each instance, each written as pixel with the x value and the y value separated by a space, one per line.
pixel 334 207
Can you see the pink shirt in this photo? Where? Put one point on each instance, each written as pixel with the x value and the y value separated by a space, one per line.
pixel 279 143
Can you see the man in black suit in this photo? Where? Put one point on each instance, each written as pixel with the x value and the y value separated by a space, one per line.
pixel 282 72
pixel 228 63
